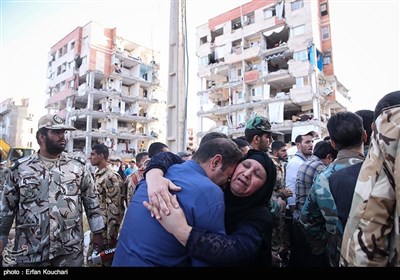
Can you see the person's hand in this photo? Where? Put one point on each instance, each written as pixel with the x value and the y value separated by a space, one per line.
pixel 175 223
pixel 158 190
pixel 276 260
pixel 97 241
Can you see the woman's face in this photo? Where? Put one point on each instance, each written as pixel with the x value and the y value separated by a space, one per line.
pixel 248 177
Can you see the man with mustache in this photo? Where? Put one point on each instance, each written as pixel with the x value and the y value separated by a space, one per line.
pixel 45 193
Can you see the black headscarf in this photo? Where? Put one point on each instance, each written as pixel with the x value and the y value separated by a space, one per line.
pixel 253 209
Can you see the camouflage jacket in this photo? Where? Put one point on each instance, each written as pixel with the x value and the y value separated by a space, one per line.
pixel 131 183
pixel 47 207
pixel 280 174
pixel 372 234
pixel 273 205
pixel 109 186
pixel 3 175
pixel 320 222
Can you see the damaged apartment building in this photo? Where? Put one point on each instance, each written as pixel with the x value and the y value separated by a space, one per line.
pixel 106 87
pixel 269 58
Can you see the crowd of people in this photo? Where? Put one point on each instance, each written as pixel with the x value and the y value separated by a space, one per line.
pixel 233 202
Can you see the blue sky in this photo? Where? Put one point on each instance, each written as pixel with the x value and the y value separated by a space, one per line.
pixel 365 40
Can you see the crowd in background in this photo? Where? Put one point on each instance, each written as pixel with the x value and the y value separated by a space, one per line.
pixel 239 201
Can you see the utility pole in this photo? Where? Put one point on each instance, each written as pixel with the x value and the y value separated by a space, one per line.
pixel 177 78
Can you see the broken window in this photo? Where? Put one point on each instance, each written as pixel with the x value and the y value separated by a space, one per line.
pixel 219 53
pixel 276 36
pixel 216 33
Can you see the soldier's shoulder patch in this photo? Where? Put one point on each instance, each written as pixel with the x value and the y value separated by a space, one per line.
pixel 18 162
pixel 80 159
pixel 117 174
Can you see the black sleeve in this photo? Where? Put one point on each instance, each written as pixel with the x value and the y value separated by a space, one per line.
pixel 163 161
pixel 218 249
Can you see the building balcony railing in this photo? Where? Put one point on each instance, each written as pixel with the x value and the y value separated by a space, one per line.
pixel 83 113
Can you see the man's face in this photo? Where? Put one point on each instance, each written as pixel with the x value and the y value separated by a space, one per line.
pixel 282 153
pixel 265 141
pixel 220 177
pixel 55 141
pixel 306 145
pixel 95 158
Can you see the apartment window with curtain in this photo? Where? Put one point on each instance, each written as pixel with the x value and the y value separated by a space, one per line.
pixel 327 58
pixel 325 33
pixel 269 13
pixel 300 55
pixel 324 9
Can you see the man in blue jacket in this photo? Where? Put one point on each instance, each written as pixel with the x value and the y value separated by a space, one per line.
pixel 144 242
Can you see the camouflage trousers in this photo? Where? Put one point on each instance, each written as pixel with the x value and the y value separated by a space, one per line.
pixel 71 260
pixel 281 236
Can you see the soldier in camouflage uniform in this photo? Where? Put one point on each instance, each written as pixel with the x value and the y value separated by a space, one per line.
pixel 133 179
pixel 318 218
pixel 372 233
pixel 45 193
pixel 109 186
pixel 258 133
pixel 3 174
pixel 280 233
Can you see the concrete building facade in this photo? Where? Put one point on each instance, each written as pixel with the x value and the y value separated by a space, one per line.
pixel 271 58
pixel 18 125
pixel 105 86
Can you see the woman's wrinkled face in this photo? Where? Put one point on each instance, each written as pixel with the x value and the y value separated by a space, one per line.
pixel 248 177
